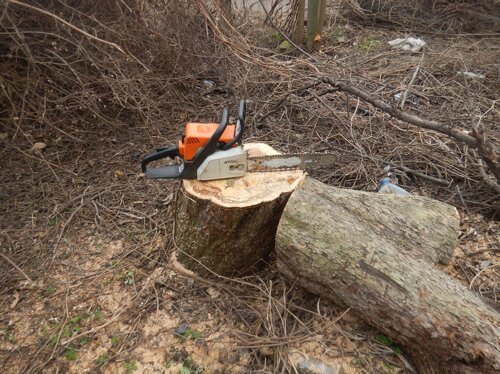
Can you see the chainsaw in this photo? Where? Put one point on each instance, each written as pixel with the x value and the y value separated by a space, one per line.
pixel 210 151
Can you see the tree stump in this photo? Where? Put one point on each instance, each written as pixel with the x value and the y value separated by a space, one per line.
pixel 228 226
pixel 372 253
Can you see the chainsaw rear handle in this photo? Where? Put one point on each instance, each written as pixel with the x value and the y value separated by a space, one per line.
pixel 240 126
pixel 171 171
pixel 186 169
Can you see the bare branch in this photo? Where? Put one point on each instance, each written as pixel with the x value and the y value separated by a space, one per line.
pixel 415 73
pixel 73 27
pixel 489 182
pixel 478 133
pixel 412 119
pixel 17 268
pixel 475 138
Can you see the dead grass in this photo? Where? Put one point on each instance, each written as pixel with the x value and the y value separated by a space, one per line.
pixel 91 232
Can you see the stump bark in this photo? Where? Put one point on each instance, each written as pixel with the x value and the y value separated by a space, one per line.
pixel 228 226
pixel 372 253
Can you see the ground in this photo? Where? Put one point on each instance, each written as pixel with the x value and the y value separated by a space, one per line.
pixel 115 305
pixel 97 309
pixel 88 279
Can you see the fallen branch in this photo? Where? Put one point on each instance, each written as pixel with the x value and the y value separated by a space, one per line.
pixel 415 73
pixel 418 174
pixel 458 134
pixel 17 268
pixel 473 138
pixel 486 179
pixel 478 133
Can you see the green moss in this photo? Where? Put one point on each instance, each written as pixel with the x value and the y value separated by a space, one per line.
pixel 97 314
pixel 102 359
pixel 336 35
pixel 70 354
pixel 369 44
pixel 129 278
pixel 130 366
pixel 49 291
pixel 114 341
pixel 190 334
pixel 382 339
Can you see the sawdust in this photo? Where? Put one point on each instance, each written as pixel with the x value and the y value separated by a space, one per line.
pixel 158 347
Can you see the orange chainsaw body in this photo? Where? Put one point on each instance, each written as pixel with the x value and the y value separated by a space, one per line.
pixel 198 134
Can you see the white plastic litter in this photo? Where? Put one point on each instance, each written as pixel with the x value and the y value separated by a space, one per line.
pixel 208 83
pixel 470 74
pixel 410 98
pixel 387 187
pixel 409 44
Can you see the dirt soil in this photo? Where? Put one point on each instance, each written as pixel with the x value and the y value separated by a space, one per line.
pixel 99 291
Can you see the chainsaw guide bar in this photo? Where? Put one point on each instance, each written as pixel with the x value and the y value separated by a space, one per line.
pixel 290 161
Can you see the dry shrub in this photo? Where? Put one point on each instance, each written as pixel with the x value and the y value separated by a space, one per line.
pixel 469 16
pixel 62 76
pixel 94 81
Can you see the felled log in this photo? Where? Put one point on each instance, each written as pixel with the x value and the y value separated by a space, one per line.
pixel 228 226
pixel 371 252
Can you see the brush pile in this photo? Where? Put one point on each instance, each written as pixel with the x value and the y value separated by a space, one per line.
pixel 80 78
pixel 300 107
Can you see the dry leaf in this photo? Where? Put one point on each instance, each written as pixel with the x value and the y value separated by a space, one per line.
pixel 26 284
pixel 119 174
pixel 4 135
pixel 214 293
pixel 38 146
pixel 14 302
pixel 41 234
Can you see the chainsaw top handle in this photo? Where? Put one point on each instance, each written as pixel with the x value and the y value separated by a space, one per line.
pixel 186 169
pixel 240 126
pixel 191 167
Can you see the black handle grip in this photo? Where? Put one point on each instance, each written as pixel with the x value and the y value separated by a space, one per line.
pixel 170 152
pixel 211 146
pixel 191 167
pixel 166 172
pixel 242 112
pixel 240 126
